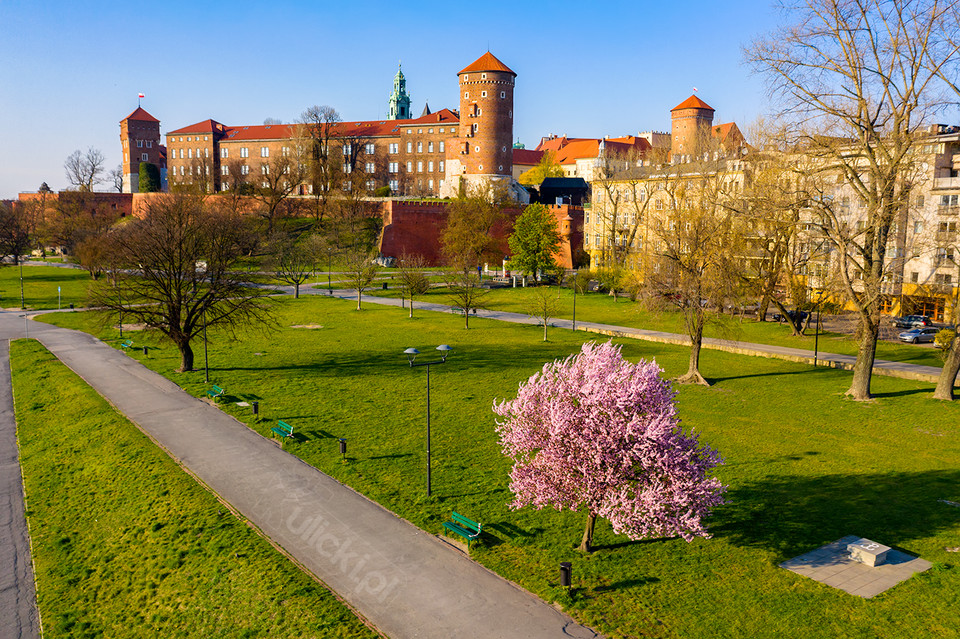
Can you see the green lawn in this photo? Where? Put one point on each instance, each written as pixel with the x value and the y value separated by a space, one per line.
pixel 40 287
pixel 126 544
pixel 805 467
pixel 602 308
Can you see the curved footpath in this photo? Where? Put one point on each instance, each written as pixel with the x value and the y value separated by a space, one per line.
pixel 405 581
pixel 831 360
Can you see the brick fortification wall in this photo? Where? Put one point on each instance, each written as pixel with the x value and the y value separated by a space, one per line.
pixel 413 228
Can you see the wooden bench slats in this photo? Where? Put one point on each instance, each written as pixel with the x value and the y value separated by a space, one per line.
pixel 215 393
pixel 464 526
pixel 283 429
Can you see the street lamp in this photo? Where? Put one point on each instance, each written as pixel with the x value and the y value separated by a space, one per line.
pixel 206 362
pixel 411 354
pixel 575 273
pixel 329 266
pixel 816 331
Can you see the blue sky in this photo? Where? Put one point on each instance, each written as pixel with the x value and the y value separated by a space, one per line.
pixel 70 71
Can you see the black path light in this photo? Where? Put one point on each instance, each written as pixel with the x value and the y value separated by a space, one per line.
pixel 411 354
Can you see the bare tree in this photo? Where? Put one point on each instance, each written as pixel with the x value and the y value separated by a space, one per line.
pixel 292 261
pixel 177 273
pixel 413 281
pixel 85 170
pixel 115 176
pixel 276 179
pixel 358 263
pixel 543 305
pixel 319 124
pixel 16 229
pixel 466 293
pixel 859 79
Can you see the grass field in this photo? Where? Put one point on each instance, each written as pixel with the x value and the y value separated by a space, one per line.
pixel 40 287
pixel 602 308
pixel 805 466
pixel 126 544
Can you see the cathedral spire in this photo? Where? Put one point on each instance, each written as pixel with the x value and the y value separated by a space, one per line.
pixel 399 98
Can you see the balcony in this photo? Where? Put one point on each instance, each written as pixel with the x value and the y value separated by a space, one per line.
pixel 946 183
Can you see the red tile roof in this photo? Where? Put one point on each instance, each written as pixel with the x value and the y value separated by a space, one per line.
pixel 569 150
pixel 140 114
pixel 487 62
pixel 366 128
pixel 527 157
pixel 693 102
pixel 207 126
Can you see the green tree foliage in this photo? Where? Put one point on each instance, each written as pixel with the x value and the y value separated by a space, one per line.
pixel 149 178
pixel 547 168
pixel 535 240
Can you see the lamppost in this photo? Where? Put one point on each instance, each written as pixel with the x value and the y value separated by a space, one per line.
pixel 411 354
pixel 329 267
pixel 575 273
pixel 206 365
pixel 816 331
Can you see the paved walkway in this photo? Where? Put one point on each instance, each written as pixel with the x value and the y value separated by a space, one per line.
pixel 18 601
pixel 831 360
pixel 404 580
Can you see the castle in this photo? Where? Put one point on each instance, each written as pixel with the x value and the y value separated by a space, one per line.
pixel 437 154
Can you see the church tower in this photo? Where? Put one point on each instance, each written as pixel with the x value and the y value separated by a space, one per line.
pixel 399 99
pixel 692 123
pixel 140 138
pixel 483 149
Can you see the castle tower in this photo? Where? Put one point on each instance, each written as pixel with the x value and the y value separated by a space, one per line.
pixel 399 99
pixel 483 148
pixel 692 122
pixel 140 138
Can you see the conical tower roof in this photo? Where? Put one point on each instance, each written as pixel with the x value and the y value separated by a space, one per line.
pixel 487 62
pixel 693 102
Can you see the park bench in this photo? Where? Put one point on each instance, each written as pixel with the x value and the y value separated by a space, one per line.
pixel 283 429
pixel 466 528
pixel 215 393
pixel 127 343
pixel 459 311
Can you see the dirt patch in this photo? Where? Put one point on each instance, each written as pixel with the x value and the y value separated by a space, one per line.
pixel 311 326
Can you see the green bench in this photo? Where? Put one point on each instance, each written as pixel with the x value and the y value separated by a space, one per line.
pixel 127 343
pixel 466 528
pixel 459 311
pixel 215 393
pixel 283 429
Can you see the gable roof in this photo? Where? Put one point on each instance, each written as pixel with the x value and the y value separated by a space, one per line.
pixel 140 114
pixel 360 129
pixel 487 62
pixel 527 157
pixel 693 102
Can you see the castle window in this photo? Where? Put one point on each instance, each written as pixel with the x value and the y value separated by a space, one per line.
pixel 139 144
pixel 144 157
pixel 265 169
pixel 182 169
pixel 441 129
pixel 477 149
pixel 465 77
pixel 244 170
pixel 419 131
pixel 371 185
pixel 429 147
pixel 430 185
pixel 181 138
pixel 347 149
pixel 441 166
pixel 483 76
pixel 149 144
pixel 394 185
pixel 503 149
pixel 480 167
pixel 420 167
pixel 244 152
pixel 347 167
pixel 370 167
pixel 206 138
pixel 466 95
pixel 500 168
pixel 419 147
pixel 409 167
pixel 394 167
pixel 429 130
pixel 206 153
pixel 189 139
pixel 285 151
pixel 190 153
pixel 173 155
pixel 441 146
pixel 429 167
pixel 409 147
pixel 224 152
pixel 394 148
pixel 483 94
pixel 369 149
pixel 503 94
pixel 453 129
pixel 264 151
pixel 224 170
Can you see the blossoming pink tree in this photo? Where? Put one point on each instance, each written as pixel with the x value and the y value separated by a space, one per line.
pixel 596 432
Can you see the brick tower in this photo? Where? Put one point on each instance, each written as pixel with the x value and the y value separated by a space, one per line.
pixel 140 137
pixel 692 121
pixel 483 149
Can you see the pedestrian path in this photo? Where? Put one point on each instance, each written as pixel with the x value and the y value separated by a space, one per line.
pixel 405 581
pixel 832 360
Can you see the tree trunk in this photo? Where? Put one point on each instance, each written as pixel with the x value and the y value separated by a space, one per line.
pixel 186 354
pixel 359 297
pixel 863 369
pixel 544 328
pixel 466 317
pixel 586 545
pixel 296 291
pixel 693 375
pixel 948 374
pixel 411 307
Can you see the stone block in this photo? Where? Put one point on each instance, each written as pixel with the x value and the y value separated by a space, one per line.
pixel 868 552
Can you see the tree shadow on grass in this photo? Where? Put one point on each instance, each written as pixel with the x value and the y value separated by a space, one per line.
pixel 779 373
pixel 626 583
pixel 904 393
pixel 791 515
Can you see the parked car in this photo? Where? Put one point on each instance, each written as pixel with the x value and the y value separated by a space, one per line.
pixel 778 317
pixel 919 335
pixel 911 321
